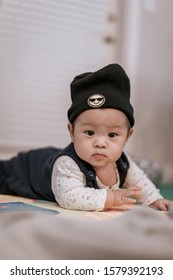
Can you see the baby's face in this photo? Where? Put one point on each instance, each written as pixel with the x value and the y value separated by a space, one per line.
pixel 99 135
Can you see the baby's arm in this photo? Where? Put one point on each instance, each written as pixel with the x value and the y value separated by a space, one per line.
pixel 70 190
pixel 150 195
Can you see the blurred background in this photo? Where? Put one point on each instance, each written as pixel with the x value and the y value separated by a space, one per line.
pixel 45 43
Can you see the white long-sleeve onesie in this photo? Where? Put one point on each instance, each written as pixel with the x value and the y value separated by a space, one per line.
pixel 71 192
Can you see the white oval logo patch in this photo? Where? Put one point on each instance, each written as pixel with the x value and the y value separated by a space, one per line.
pixel 96 100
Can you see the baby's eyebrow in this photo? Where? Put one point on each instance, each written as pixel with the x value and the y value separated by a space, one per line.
pixel 114 126
pixel 87 124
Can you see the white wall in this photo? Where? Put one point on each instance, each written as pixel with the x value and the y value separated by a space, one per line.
pixel 43 44
pixel 148 55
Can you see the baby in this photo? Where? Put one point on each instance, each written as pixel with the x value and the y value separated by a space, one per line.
pixel 92 172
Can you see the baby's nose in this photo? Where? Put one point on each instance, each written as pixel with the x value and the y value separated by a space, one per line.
pixel 100 142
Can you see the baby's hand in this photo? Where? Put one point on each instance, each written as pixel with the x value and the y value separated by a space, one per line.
pixel 124 196
pixel 161 204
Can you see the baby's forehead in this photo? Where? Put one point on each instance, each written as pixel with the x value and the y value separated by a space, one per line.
pixel 105 112
pixel 102 116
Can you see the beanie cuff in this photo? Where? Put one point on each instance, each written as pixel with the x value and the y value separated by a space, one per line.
pixel 114 102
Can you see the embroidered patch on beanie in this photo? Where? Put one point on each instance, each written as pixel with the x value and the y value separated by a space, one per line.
pixel 96 100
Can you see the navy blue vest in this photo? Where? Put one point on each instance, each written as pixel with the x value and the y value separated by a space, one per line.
pixel 88 170
pixel 29 174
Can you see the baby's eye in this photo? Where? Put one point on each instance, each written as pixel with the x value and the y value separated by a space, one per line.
pixel 112 134
pixel 89 132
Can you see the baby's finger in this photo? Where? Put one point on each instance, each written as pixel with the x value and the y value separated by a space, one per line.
pixel 129 201
pixel 136 188
pixel 135 193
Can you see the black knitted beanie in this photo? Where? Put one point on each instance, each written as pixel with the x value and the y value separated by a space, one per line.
pixel 108 87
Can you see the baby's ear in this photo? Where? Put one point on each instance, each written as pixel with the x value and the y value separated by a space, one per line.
pixel 130 132
pixel 70 129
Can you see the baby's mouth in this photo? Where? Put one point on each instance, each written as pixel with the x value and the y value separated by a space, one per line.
pixel 99 155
